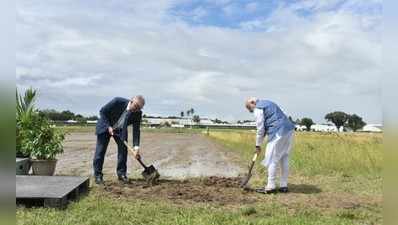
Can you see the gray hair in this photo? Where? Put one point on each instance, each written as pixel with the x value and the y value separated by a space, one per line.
pixel 140 99
pixel 249 101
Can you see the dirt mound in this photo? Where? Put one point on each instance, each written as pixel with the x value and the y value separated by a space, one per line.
pixel 222 181
pixel 218 190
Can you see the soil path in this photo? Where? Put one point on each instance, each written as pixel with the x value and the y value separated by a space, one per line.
pixel 226 192
pixel 174 155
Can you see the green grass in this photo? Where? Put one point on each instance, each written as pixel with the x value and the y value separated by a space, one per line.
pixel 97 209
pixel 320 153
pixel 350 162
pixel 330 168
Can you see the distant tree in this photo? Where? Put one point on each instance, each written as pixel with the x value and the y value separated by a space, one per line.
pixel 355 122
pixel 57 116
pixel 291 119
pixel 216 121
pixel 182 113
pixel 307 122
pixel 166 124
pixel 192 111
pixel 297 121
pixel 67 115
pixel 50 114
pixel 79 118
pixel 219 121
pixel 337 118
pixel 92 118
pixel 188 113
pixel 196 119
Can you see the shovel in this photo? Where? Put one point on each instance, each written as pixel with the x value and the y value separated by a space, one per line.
pixel 150 174
pixel 246 179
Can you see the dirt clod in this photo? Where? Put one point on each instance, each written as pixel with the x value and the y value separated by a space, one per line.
pixel 219 190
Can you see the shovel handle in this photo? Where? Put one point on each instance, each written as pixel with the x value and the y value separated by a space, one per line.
pixel 252 163
pixel 135 153
pixel 254 157
pixel 249 173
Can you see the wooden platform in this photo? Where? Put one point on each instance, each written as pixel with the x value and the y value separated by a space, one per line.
pixel 49 191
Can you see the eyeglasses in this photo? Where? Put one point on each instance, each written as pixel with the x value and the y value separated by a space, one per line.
pixel 136 104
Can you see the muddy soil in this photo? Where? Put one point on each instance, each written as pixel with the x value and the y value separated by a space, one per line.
pixel 174 155
pixel 222 191
pixel 218 190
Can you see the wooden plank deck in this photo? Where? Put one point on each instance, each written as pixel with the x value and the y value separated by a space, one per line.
pixel 49 191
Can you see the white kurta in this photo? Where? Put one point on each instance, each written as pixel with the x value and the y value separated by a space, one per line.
pixel 259 116
pixel 276 148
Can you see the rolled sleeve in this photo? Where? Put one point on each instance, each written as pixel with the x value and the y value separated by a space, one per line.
pixel 259 117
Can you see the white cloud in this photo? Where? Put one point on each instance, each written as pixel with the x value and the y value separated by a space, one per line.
pixel 329 61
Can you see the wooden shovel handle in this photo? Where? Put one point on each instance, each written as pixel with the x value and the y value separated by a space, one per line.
pixel 252 163
pixel 134 153
pixel 254 157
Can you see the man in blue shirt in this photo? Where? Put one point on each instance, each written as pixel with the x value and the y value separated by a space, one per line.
pixel 115 116
pixel 272 121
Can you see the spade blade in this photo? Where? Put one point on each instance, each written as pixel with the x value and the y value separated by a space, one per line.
pixel 150 174
pixel 245 180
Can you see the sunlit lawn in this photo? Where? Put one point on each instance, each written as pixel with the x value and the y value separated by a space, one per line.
pixel 337 179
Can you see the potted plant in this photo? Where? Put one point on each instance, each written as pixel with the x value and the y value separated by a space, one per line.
pixel 24 118
pixel 37 138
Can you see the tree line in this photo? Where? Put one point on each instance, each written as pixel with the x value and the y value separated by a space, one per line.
pixel 190 112
pixel 65 115
pixel 338 118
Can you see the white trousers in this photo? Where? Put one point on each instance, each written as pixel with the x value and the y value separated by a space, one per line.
pixel 277 153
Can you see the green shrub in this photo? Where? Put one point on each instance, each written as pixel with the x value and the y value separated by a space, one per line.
pixel 35 136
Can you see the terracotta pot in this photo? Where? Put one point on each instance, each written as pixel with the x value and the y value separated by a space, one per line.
pixel 43 167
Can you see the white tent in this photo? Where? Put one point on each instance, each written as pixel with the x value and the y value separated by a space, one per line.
pixel 372 128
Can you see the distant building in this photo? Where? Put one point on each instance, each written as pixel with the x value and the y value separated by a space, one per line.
pixel 377 128
pixel 92 121
pixel 318 128
pixel 71 122
pixel 177 125
pixel 300 127
pixel 206 121
pixel 324 128
pixel 178 121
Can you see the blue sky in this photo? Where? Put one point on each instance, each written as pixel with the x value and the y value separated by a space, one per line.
pixel 231 14
pixel 223 13
pixel 311 57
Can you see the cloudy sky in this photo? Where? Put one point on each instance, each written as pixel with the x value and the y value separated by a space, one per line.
pixel 311 57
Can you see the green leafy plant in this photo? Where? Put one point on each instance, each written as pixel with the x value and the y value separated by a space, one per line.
pixel 35 135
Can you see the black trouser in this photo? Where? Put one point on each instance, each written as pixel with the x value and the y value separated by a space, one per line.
pixel 102 144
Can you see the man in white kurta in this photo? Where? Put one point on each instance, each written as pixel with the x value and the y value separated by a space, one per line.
pixel 271 121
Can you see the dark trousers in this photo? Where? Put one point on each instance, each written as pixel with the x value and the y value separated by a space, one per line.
pixel 100 150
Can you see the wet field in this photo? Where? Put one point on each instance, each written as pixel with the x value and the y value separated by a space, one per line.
pixel 176 156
